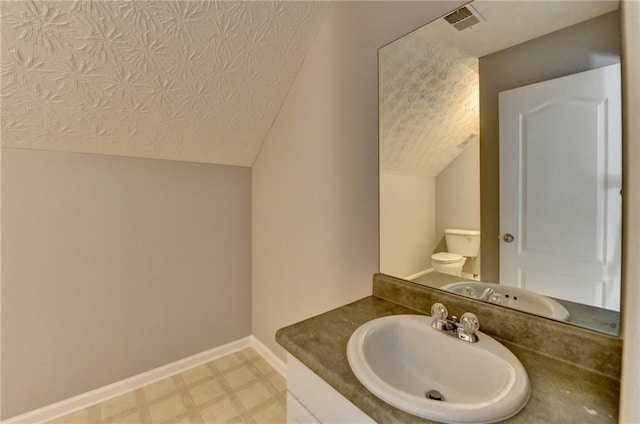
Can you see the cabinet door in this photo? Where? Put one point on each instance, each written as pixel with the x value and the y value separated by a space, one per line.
pixel 323 402
pixel 297 413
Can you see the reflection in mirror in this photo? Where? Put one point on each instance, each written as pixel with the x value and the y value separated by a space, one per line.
pixel 500 158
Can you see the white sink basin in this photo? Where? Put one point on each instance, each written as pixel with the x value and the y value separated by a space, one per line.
pixel 516 298
pixel 400 358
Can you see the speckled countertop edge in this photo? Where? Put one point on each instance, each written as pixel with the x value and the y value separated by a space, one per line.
pixel 561 392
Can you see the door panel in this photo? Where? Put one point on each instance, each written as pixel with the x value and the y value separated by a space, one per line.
pixel 580 290
pixel 560 180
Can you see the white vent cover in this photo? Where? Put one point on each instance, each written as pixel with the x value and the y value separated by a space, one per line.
pixel 464 18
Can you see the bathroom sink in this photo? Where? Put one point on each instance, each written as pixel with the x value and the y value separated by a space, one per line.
pixel 515 298
pixel 410 365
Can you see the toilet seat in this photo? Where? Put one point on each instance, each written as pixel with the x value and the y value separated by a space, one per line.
pixel 447 257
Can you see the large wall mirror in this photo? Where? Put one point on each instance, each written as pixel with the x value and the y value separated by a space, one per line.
pixel 500 158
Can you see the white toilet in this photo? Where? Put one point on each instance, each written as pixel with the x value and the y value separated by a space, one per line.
pixel 461 244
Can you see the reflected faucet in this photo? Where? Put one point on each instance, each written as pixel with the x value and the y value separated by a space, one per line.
pixel 486 294
pixel 492 296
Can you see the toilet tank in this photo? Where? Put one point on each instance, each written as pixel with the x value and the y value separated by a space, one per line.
pixel 463 242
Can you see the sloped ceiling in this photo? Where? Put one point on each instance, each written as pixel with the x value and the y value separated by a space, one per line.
pixel 428 79
pixel 184 80
pixel 428 106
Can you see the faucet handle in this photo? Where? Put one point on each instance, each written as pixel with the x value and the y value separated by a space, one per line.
pixel 498 299
pixel 469 323
pixel 439 311
pixel 468 326
pixel 469 292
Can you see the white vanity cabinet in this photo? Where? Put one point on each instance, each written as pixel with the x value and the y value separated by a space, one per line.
pixel 311 400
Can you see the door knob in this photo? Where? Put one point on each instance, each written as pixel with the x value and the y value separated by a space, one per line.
pixel 508 237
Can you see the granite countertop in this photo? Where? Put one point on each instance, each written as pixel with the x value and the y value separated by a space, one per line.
pixel 561 392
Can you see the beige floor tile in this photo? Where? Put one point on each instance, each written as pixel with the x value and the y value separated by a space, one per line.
pixel 166 409
pixel 263 366
pixel 278 382
pixel 133 418
pixel 159 389
pixel 228 362
pixel 273 413
pixel 166 401
pixel 196 374
pixel 117 405
pixel 250 353
pixel 253 395
pixel 183 419
pixel 239 376
pixel 219 412
pixel 206 391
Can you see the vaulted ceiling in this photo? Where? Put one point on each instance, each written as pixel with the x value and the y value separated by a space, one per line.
pixel 184 80
pixel 428 106
pixel 429 81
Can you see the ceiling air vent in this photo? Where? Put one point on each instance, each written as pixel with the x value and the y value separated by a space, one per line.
pixel 464 17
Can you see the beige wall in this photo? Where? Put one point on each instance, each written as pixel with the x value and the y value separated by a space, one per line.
pixel 458 197
pixel 407 224
pixel 114 266
pixel 458 192
pixel 561 53
pixel 315 182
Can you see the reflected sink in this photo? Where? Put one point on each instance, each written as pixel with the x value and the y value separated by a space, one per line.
pixel 403 361
pixel 515 298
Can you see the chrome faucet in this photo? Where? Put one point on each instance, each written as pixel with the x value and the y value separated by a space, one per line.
pixel 465 329
pixel 486 294
pixel 492 296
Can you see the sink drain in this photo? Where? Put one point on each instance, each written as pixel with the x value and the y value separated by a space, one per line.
pixel 434 395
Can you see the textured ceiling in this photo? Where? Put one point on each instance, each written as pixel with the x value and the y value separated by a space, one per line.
pixel 428 79
pixel 184 80
pixel 428 106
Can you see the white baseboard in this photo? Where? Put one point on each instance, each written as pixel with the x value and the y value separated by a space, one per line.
pixel 419 274
pixel 76 403
pixel 268 355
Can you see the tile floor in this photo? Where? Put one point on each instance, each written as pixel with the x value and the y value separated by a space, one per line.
pixel 237 388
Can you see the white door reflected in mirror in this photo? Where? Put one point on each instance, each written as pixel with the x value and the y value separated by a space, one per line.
pixel 560 181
